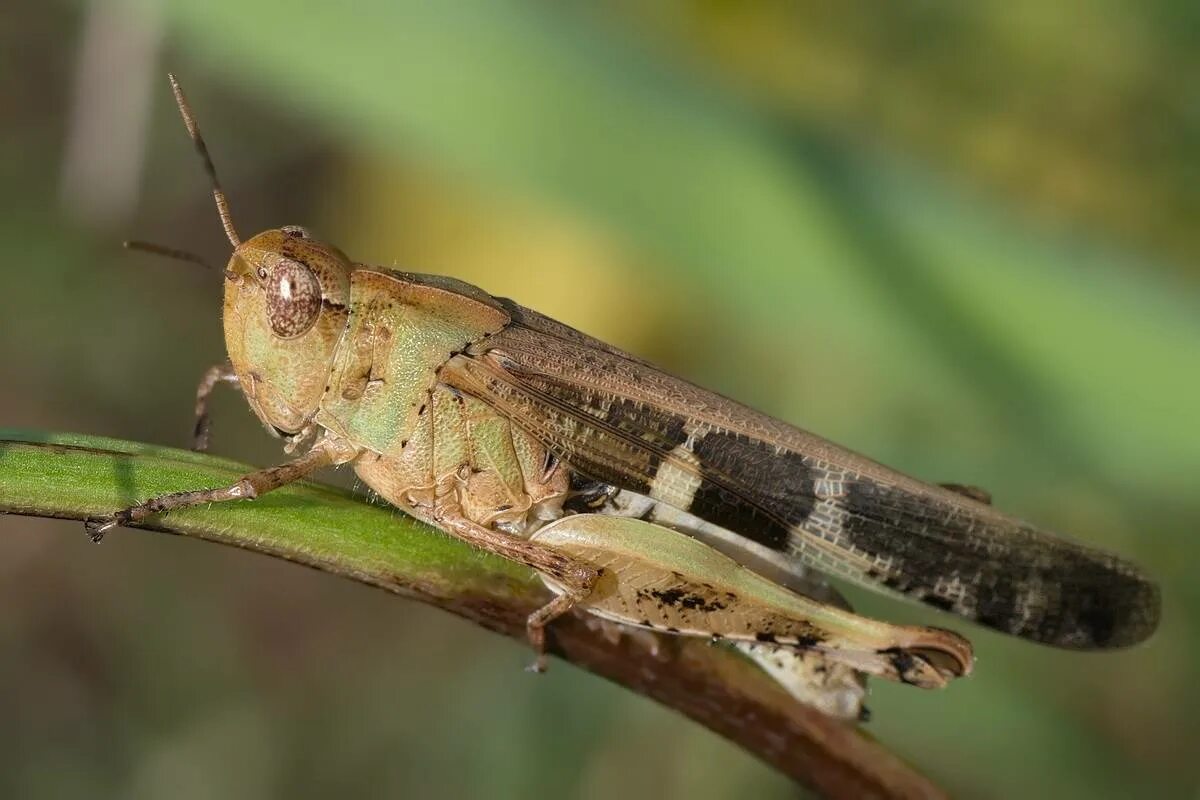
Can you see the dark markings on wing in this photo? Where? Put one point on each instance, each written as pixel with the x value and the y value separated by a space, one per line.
pixel 785 494
pixel 624 443
pixel 1025 583
pixel 619 421
pixel 616 440
pixel 661 431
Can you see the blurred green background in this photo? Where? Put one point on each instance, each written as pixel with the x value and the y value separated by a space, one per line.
pixel 957 237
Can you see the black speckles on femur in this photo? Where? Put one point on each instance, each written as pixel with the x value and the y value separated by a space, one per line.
pixel 809 640
pixel 293 298
pixel 681 598
pixel 668 597
pixel 1006 575
pixel 902 661
pixel 752 488
pixel 295 231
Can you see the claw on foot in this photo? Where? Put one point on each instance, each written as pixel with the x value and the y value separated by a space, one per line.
pixel 96 527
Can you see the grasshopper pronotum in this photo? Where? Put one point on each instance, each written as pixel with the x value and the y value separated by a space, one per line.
pixel 637 496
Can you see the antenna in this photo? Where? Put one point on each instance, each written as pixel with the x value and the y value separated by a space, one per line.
pixel 219 196
pixel 168 252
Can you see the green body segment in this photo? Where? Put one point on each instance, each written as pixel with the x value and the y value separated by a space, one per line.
pixel 385 366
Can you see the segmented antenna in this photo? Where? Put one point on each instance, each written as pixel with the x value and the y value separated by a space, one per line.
pixel 219 196
pixel 168 252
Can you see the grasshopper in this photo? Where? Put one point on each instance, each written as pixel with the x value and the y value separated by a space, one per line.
pixel 635 495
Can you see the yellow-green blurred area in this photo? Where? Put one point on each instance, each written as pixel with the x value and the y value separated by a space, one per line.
pixel 960 238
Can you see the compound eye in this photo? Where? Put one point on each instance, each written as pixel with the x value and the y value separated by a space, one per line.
pixel 293 299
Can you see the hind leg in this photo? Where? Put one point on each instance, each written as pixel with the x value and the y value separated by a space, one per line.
pixel 576 578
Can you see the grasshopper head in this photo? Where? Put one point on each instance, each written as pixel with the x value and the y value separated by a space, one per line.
pixel 286 297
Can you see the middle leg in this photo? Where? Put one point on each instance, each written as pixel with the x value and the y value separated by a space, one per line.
pixel 577 578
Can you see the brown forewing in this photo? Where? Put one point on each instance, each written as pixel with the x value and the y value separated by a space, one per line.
pixel 617 419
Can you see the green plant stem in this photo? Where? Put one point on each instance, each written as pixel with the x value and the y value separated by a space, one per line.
pixel 74 477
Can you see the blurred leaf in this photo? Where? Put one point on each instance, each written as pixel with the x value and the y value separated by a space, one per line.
pixel 1079 111
pixel 547 100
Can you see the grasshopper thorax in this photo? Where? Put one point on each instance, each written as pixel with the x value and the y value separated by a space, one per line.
pixel 286 298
